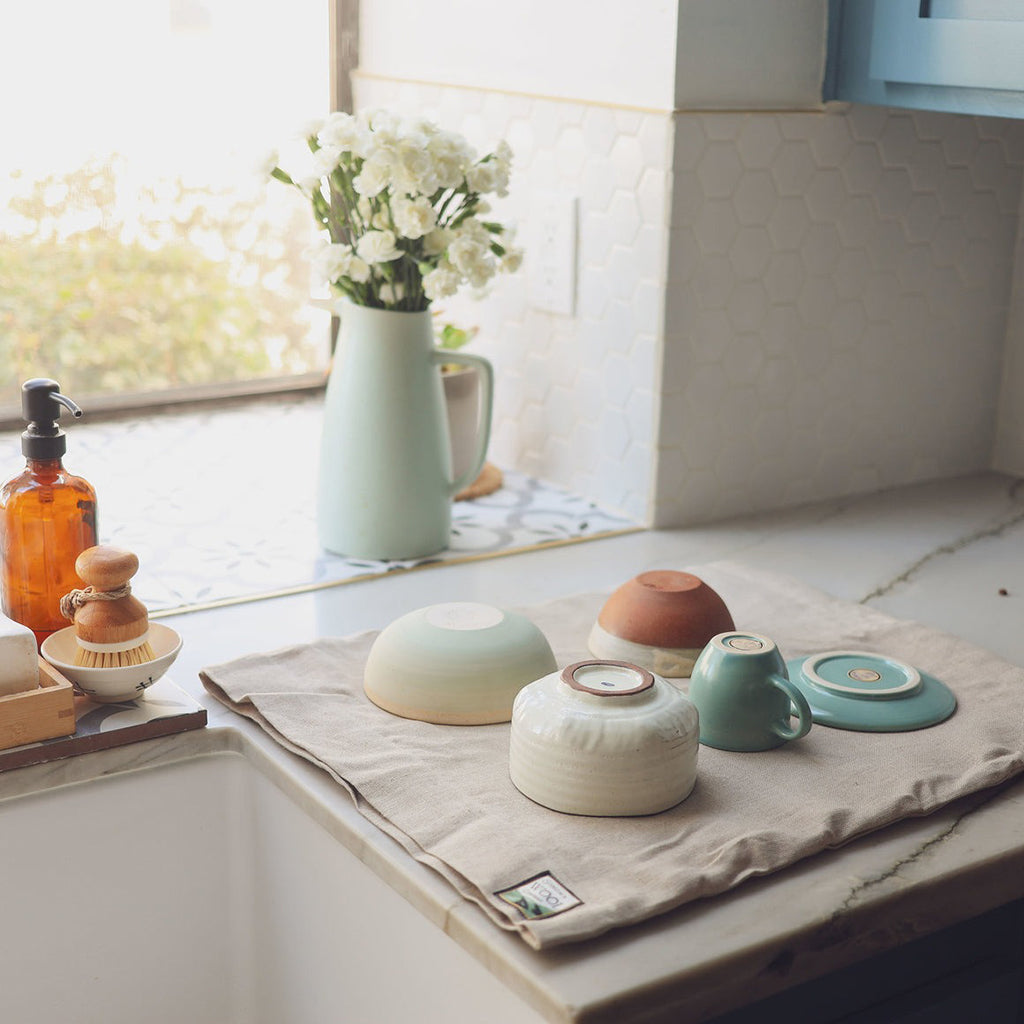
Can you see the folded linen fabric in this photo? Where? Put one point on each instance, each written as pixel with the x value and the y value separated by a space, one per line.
pixel 444 793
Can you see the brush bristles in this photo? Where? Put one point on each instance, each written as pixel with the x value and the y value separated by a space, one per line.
pixel 115 659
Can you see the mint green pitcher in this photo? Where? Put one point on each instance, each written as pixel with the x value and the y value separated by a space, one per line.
pixel 385 484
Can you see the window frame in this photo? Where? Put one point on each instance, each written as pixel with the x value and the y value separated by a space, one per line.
pixel 343 27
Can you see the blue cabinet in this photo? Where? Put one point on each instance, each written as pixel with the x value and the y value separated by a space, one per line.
pixel 955 55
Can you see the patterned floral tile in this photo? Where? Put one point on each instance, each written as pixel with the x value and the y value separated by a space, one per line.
pixel 219 505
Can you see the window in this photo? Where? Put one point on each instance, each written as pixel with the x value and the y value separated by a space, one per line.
pixel 142 248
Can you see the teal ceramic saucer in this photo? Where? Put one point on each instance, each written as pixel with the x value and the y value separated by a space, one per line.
pixel 870 692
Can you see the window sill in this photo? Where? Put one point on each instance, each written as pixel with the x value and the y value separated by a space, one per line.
pixel 101 408
pixel 218 502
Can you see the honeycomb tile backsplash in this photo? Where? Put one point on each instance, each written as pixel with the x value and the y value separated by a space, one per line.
pixel 770 308
pixel 837 297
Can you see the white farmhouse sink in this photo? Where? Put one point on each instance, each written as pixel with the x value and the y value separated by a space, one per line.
pixel 198 892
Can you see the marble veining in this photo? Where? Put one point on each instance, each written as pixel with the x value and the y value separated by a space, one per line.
pixel 914 857
pixel 996 529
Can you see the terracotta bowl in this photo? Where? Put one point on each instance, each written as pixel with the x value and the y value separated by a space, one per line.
pixel 660 620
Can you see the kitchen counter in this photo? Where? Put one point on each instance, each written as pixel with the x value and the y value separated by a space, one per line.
pixel 949 554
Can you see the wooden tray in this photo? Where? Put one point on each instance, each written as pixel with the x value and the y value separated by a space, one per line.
pixel 44 713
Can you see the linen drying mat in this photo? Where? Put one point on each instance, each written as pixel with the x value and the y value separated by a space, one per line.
pixel 444 792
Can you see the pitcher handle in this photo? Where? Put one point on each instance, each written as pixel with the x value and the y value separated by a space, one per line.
pixel 800 708
pixel 486 402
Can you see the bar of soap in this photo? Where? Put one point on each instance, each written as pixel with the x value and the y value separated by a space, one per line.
pixel 19 658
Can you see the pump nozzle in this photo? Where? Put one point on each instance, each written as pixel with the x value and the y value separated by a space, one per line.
pixel 41 402
pixel 67 403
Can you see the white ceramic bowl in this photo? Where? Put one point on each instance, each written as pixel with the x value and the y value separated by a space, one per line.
pixel 110 685
pixel 604 738
pixel 460 663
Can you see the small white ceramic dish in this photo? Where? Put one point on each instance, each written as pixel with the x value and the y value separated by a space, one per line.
pixel 460 663
pixel 112 685
pixel 604 738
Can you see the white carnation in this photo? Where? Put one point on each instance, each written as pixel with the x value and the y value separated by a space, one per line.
pixel 358 270
pixel 333 262
pixel 341 131
pixel 473 259
pixel 474 229
pixel 311 128
pixel 451 155
pixel 414 218
pixel 441 282
pixel 375 175
pixel 436 241
pixel 420 126
pixel 512 260
pixel 412 167
pixel 488 176
pixel 309 185
pixel 383 123
pixel 325 160
pixel 378 247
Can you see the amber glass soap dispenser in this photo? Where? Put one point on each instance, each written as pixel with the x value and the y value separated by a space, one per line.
pixel 47 517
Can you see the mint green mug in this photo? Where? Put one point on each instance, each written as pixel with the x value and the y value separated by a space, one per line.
pixel 743 695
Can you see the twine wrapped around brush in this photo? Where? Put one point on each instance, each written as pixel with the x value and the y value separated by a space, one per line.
pixel 111 626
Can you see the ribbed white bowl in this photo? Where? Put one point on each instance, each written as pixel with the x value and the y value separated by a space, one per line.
pixel 584 741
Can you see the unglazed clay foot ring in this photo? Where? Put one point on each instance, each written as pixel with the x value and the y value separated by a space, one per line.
pixel 613 678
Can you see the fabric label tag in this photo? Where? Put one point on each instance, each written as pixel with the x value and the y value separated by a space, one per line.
pixel 540 896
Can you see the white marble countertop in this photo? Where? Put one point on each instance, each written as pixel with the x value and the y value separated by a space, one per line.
pixel 949 554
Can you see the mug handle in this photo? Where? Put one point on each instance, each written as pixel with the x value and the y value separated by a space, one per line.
pixel 486 401
pixel 800 707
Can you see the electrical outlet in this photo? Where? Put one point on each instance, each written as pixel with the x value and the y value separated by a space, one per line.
pixel 552 255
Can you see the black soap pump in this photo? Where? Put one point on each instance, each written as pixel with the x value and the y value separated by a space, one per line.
pixel 47 516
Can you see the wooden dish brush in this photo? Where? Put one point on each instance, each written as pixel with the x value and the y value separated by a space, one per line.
pixel 111 626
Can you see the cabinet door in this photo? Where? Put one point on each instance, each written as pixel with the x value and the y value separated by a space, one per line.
pixel 958 55
pixel 945 42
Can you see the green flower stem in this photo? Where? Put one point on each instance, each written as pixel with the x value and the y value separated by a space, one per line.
pixel 443 211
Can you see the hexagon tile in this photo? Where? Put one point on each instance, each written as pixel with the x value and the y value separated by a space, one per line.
pixel 836 315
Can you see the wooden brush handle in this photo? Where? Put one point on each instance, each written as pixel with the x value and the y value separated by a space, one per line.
pixel 106 568
pixel 112 622
pixel 115 621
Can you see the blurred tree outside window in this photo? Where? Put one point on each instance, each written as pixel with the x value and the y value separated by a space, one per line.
pixel 142 247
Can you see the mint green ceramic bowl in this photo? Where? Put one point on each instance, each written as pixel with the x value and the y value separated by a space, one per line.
pixel 460 663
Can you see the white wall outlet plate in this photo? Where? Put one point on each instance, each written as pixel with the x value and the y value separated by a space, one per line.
pixel 552 254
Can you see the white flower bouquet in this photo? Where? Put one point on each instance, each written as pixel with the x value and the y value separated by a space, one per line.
pixel 401 203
